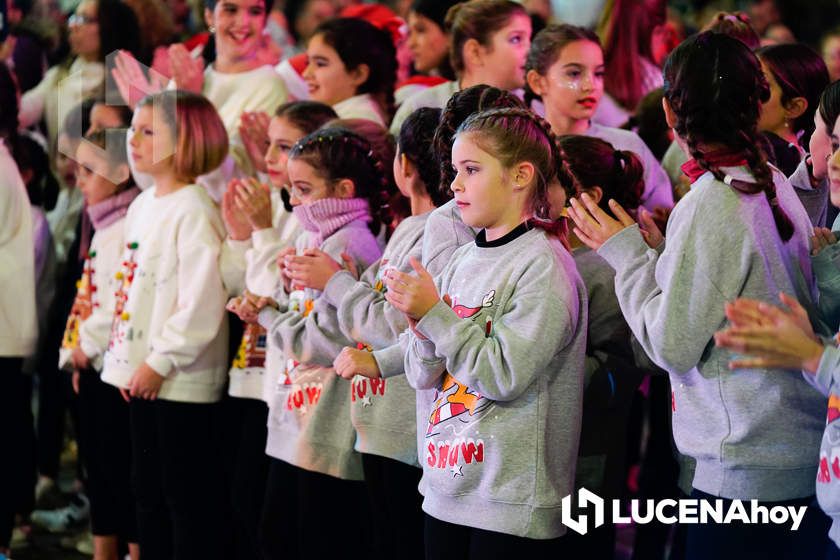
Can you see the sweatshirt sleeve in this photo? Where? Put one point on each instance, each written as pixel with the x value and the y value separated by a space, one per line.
pixel 201 297
pixel 262 273
pixel 32 102
pixel 671 304
pixel 828 372
pixel 423 367
pixel 827 271
pixel 391 360
pixel 364 315
pixel 233 265
pixel 504 364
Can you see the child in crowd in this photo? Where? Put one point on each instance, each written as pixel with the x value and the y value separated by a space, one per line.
pixel 105 182
pixel 167 349
pixel 566 71
pixel 713 91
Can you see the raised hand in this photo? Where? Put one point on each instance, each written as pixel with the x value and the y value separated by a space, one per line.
pixel 253 130
pixel 593 226
pixel 823 237
pixel 188 72
pixel 253 200
pixel 351 362
pixel 237 225
pixel 413 294
pixel 132 82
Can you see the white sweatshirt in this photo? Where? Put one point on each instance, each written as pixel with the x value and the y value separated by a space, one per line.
pixel 18 318
pixel 170 311
pixel 89 323
pixel 360 107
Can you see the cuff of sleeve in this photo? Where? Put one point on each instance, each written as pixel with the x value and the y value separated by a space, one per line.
pixel 425 350
pixel 829 364
pixel 266 317
pixel 162 365
pixel 622 247
pixel 340 283
pixel 89 349
pixel 436 320
pixel 238 245
pixel 265 237
pixel 391 361
pixel 826 263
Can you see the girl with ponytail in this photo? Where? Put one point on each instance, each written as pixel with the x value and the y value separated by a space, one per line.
pixel 741 231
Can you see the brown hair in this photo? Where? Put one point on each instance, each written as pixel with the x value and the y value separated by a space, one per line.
pixel 595 163
pixel 737 25
pixel 113 142
pixel 516 135
pixel 546 47
pixel 201 141
pixel 479 20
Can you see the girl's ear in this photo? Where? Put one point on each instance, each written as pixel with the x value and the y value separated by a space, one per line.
pixel 408 169
pixel 596 192
pixel 472 51
pixel 536 82
pixel 359 74
pixel 523 173
pixel 796 107
pixel 670 116
pixel 345 189
pixel 208 18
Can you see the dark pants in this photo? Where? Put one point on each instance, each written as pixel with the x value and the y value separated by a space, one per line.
pixel 178 479
pixel 17 458
pixel 445 541
pixel 397 522
pixel 55 400
pixel 105 433
pixel 245 435
pixel 312 515
pixel 737 540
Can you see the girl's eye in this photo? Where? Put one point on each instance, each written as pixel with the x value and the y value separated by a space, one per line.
pixel 516 40
pixel 573 74
pixel 256 11
pixel 472 170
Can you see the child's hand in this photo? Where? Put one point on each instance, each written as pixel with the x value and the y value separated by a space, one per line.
pixel 781 342
pixel 188 72
pixel 281 266
pixel 592 225
pixel 744 312
pixel 414 295
pixel 131 82
pixel 823 237
pixel 351 362
pixel 145 383
pixel 650 230
pixel 248 306
pixel 79 360
pixel 237 225
pixel 253 200
pixel 313 269
pixel 74 380
pixel 253 130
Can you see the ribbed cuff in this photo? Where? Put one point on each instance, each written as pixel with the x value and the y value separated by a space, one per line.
pixel 162 365
pixel 337 286
pixel 622 247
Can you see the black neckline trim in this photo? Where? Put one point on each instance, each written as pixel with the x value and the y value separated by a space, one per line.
pixel 518 231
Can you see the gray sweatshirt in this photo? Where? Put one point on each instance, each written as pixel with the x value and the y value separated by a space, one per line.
pixel 501 437
pixel 754 433
pixel 382 410
pixel 828 476
pixel 309 416
pixel 445 232
pixel 814 199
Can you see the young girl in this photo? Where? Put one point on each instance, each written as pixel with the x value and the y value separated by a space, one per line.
pixel 427 37
pixel 489 44
pixel 811 177
pixel 514 285
pixel 565 70
pixel 260 217
pixel 105 182
pixel 783 337
pixel 796 76
pixel 352 67
pixel 382 411
pixel 714 88
pixel 168 348
pixel 314 474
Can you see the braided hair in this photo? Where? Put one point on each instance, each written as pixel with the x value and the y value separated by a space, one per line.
pixel 337 153
pixel 516 135
pixel 415 142
pixel 715 87
pixel 464 103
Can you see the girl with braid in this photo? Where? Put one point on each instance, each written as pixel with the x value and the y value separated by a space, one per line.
pixel 315 477
pixel 739 232
pixel 499 442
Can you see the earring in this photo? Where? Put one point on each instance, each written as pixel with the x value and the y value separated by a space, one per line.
pixel 212 29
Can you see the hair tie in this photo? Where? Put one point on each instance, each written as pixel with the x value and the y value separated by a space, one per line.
pixel 728 180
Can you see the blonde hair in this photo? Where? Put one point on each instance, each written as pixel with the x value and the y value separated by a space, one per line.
pixel 201 140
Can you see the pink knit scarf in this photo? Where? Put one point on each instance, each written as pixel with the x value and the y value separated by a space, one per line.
pixel 324 217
